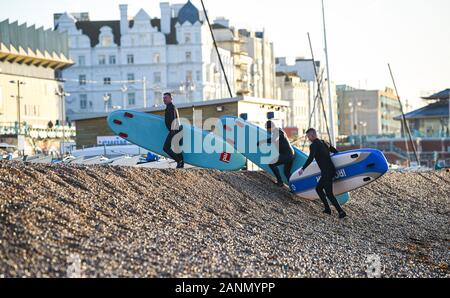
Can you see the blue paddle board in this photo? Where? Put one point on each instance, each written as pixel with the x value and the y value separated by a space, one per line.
pixel 355 169
pixel 199 148
pixel 245 136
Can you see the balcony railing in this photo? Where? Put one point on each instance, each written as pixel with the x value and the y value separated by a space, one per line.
pixel 12 129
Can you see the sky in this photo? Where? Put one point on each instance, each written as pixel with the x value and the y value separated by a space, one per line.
pixel 363 35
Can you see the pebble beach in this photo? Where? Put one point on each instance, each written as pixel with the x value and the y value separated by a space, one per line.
pixel 94 221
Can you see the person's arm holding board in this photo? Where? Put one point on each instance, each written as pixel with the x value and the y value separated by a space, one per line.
pixel 312 155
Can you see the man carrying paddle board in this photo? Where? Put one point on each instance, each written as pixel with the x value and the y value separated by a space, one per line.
pixel 172 120
pixel 287 153
pixel 320 151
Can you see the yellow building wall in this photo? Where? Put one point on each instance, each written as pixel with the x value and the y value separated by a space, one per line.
pixel 39 103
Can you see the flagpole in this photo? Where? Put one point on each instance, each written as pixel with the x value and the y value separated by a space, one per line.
pixel 330 97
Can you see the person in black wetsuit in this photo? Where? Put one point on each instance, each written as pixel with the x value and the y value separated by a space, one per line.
pixel 287 153
pixel 320 151
pixel 172 120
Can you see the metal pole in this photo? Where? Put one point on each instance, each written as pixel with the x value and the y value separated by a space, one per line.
pixel 408 131
pixel 330 100
pixel 18 108
pixel 319 91
pixel 217 50
pixel 124 89
pixel 63 123
pixel 352 119
pixel 144 83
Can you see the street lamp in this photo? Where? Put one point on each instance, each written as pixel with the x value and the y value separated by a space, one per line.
pixel 62 95
pixel 363 124
pixel 124 90
pixel 106 99
pixel 18 98
pixel 186 88
pixel 354 115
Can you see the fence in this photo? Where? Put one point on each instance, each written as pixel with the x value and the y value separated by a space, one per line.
pixel 12 129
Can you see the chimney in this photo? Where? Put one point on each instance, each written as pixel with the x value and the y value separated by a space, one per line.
pixel 123 19
pixel 166 17
pixel 222 21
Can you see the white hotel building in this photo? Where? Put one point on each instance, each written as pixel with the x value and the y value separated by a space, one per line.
pixel 130 63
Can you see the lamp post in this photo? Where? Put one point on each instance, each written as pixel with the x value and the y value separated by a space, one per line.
pixel 124 90
pixel 18 98
pixel 362 124
pixel 354 116
pixel 62 95
pixel 106 98
pixel 352 111
pixel 186 88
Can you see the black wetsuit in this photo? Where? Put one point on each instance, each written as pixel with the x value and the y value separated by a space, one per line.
pixel 287 156
pixel 320 151
pixel 172 120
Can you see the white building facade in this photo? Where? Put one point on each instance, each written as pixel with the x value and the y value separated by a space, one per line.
pixel 253 56
pixel 304 69
pixel 295 91
pixel 130 63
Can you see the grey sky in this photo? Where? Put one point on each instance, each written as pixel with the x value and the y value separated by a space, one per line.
pixel 363 35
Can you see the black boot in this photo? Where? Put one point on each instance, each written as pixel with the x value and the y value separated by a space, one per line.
pixel 327 210
pixel 180 165
pixel 342 214
pixel 279 183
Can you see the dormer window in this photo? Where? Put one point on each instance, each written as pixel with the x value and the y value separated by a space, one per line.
pixel 106 37
pixel 106 41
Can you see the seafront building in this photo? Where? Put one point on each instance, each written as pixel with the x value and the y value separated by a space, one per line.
pixel 291 88
pixel 368 112
pixel 306 70
pixel 253 59
pixel 131 62
pixel 31 95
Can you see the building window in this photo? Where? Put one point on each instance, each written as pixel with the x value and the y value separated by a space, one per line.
pixel 107 81
pixel 81 61
pixel 130 59
pixel 189 76
pixel 187 37
pixel 157 77
pixel 188 56
pixel 112 59
pixel 83 101
pixel 82 80
pixel 199 76
pixel 101 59
pixel 131 78
pixel 131 99
pixel 157 58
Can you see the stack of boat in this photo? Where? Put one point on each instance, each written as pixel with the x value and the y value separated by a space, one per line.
pixel 122 161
